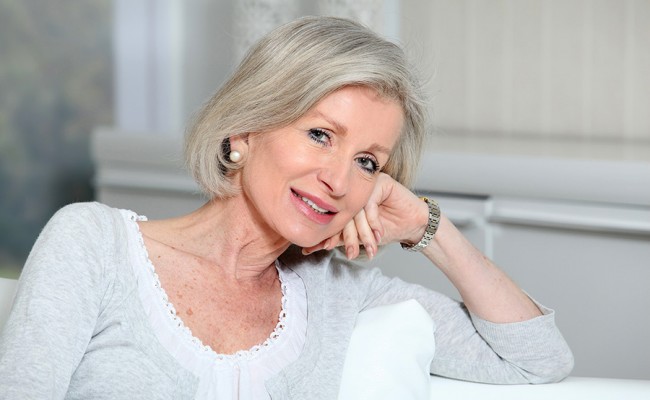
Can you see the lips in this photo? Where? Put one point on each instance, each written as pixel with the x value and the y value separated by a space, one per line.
pixel 314 202
pixel 313 207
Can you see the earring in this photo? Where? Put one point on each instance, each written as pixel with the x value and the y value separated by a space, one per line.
pixel 234 156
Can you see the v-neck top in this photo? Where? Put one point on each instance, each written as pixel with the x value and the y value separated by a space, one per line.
pixel 221 376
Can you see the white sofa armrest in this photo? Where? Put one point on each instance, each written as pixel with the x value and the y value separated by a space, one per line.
pixel 570 388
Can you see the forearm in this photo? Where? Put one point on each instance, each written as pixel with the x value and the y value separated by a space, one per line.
pixel 486 290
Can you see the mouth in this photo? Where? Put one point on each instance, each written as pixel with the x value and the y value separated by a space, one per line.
pixel 322 209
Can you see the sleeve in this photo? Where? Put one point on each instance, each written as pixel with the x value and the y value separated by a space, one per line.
pixel 470 348
pixel 56 306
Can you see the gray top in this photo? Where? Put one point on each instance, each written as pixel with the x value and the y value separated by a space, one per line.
pixel 78 329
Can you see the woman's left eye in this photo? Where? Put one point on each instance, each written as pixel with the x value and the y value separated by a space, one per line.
pixel 368 163
pixel 319 136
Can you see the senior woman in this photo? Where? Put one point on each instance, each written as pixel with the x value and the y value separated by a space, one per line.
pixel 311 144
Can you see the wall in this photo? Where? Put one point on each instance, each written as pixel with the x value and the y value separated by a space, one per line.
pixel 569 68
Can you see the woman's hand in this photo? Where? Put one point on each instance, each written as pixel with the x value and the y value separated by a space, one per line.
pixel 393 214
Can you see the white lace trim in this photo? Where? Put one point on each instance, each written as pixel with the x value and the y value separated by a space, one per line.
pixel 186 333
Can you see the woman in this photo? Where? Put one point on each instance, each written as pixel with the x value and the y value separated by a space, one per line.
pixel 313 143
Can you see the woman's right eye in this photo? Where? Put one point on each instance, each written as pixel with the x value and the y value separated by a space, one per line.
pixel 319 136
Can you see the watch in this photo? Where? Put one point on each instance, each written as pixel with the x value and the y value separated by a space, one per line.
pixel 432 227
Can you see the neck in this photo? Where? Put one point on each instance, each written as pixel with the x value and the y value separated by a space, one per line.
pixel 229 235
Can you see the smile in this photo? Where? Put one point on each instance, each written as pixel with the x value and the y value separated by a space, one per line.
pixel 312 204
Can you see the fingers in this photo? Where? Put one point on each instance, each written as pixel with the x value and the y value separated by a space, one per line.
pixel 356 232
pixel 365 233
pixel 374 222
pixel 359 232
pixel 351 240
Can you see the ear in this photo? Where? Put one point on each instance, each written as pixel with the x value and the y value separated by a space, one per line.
pixel 239 143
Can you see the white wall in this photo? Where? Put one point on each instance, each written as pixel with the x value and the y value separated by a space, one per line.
pixel 541 68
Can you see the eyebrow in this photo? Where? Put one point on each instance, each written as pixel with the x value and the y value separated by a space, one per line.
pixel 343 130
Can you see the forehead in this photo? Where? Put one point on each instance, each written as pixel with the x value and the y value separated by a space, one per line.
pixel 359 106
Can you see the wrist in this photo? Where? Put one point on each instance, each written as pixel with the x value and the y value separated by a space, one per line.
pixel 427 228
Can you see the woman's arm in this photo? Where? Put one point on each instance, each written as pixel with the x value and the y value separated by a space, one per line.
pixel 470 348
pixel 497 334
pixel 56 307
pixel 485 289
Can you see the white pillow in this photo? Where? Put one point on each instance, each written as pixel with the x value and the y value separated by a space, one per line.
pixel 390 354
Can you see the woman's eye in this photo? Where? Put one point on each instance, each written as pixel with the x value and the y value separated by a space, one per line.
pixel 368 164
pixel 319 136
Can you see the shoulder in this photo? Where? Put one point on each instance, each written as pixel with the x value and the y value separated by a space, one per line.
pixel 73 253
pixel 331 272
pixel 80 230
pixel 79 219
pixel 90 212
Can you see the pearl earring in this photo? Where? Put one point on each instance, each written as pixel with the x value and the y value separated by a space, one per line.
pixel 234 156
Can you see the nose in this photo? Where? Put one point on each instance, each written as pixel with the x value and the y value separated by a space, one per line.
pixel 335 175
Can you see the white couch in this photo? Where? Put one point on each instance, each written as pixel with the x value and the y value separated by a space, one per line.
pixel 571 388
pixel 357 378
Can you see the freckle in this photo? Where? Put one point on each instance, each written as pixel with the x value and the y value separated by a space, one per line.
pixel 180 296
pixel 189 311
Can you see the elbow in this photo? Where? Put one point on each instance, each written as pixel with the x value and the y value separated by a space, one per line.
pixel 564 367
pixel 553 369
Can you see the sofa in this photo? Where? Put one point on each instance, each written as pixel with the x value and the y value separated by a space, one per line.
pixel 378 378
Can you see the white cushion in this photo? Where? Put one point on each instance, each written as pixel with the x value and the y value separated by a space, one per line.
pixel 390 354
pixel 570 388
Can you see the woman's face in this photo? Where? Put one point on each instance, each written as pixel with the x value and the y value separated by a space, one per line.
pixel 307 180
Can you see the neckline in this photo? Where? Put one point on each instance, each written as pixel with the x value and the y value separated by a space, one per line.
pixel 184 332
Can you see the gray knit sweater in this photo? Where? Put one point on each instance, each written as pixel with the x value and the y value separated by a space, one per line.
pixel 79 331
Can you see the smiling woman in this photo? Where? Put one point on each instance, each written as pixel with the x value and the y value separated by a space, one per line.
pixel 311 144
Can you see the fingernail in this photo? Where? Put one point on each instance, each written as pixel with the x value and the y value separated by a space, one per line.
pixel 327 244
pixel 377 235
pixel 349 251
pixel 305 252
pixel 370 251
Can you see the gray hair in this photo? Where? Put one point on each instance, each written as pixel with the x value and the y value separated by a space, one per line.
pixel 284 75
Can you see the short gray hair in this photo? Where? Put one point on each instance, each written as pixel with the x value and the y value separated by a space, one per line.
pixel 284 75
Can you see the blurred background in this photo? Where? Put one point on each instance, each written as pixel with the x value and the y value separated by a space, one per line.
pixel 56 85
pixel 539 148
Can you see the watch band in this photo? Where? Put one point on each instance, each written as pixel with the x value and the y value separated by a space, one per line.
pixel 432 227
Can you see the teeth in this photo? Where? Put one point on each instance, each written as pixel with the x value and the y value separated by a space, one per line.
pixel 314 206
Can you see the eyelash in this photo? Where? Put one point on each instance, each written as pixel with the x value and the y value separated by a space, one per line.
pixel 315 131
pixel 316 135
pixel 373 169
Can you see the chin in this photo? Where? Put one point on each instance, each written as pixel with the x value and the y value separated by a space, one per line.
pixel 305 239
pixel 302 242
pixel 307 235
